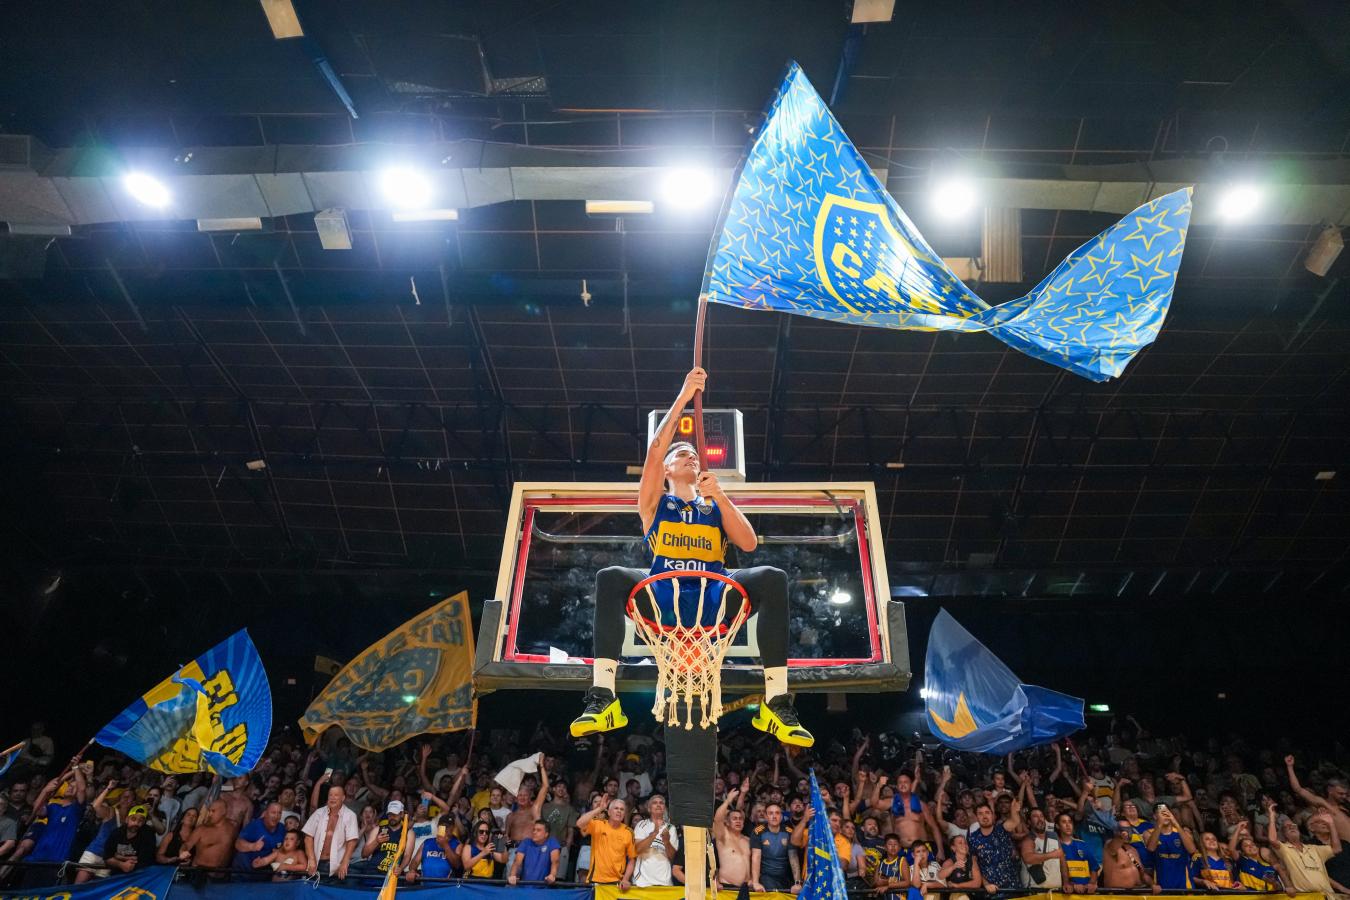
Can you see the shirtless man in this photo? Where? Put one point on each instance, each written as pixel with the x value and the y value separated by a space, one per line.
pixel 733 847
pixel 239 800
pixel 529 809
pixel 1121 867
pixel 911 818
pixel 211 845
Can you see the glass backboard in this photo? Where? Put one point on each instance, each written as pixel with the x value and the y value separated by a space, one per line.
pixel 846 633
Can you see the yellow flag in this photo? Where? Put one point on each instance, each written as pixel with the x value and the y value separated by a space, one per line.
pixel 415 680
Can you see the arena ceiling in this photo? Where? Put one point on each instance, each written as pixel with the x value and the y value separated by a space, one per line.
pixel 389 395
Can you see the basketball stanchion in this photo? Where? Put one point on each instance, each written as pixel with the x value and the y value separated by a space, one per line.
pixel 689 636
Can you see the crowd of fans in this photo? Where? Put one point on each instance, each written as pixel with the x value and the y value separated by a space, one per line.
pixel 1124 811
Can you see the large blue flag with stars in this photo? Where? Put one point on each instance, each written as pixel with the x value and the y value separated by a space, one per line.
pixel 810 230
pixel 975 703
pixel 824 876
pixel 212 715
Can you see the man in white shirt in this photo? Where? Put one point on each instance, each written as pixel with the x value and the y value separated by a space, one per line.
pixel 1040 854
pixel 330 835
pixel 656 842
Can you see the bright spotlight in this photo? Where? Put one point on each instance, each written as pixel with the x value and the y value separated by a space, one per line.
pixel 953 197
pixel 147 190
pixel 923 693
pixel 1239 202
pixel 405 188
pixel 841 598
pixel 687 188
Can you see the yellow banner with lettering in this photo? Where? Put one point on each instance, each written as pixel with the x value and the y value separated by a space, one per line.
pixel 416 680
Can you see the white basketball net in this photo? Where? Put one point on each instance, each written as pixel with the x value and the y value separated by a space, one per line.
pixel 689 657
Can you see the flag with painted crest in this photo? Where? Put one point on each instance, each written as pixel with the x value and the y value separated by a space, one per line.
pixel 975 702
pixel 212 715
pixel 810 230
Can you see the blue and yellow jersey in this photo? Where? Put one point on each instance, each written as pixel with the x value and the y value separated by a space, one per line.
pixel 1171 863
pixel 687 536
pixel 1215 869
pixel 1139 830
pixel 1080 866
pixel 1257 874
pixel 892 868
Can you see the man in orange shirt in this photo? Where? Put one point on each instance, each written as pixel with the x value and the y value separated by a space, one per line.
pixel 612 850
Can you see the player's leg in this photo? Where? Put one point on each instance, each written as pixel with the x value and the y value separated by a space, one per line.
pixel 767 588
pixel 602 711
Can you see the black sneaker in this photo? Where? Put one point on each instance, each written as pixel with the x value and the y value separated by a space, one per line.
pixel 602 713
pixel 778 717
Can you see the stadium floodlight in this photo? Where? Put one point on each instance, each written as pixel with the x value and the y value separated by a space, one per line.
pixel 147 190
pixel 1239 202
pixel 953 197
pixel 687 187
pixel 404 187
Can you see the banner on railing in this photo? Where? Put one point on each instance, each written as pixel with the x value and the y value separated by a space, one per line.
pixel 611 892
pixel 146 884
pixel 354 890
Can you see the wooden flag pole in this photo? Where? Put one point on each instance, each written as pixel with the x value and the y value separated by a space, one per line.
pixel 700 325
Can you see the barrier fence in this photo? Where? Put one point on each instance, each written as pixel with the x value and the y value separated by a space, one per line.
pixel 197 883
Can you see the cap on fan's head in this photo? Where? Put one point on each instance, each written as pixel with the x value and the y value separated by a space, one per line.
pixel 395 807
pixel 677 447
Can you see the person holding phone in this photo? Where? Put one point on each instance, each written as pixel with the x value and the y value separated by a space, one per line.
pixel 483 853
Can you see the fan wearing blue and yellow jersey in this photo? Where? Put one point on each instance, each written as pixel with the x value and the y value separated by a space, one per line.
pixel 1214 869
pixel 1255 866
pixel 1172 848
pixel 1080 864
pixel 688 523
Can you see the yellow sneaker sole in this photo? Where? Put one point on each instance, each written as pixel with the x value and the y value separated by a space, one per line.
pixel 609 720
pixel 769 723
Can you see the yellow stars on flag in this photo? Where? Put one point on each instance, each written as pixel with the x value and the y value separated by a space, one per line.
pixel 1100 267
pixel 1149 268
pixel 1148 229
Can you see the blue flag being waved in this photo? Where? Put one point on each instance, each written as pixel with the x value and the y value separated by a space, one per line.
pixel 975 703
pixel 212 715
pixel 7 757
pixel 824 876
pixel 810 230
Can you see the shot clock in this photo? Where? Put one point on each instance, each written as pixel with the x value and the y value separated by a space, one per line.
pixel 725 434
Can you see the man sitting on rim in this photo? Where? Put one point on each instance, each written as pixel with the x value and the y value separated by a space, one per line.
pixel 687 521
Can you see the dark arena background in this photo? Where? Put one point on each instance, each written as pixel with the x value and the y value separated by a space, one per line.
pixel 312 424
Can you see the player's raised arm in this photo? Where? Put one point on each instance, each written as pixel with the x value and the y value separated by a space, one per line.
pixel 654 467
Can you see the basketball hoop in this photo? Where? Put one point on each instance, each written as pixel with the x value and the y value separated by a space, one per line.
pixel 688 654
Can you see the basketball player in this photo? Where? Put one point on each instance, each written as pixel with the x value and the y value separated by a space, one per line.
pixel 688 520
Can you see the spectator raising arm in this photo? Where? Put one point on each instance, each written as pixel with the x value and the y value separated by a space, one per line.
pixel 857 760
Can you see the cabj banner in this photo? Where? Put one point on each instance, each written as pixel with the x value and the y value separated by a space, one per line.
pixel 150 883
pixel 212 715
pixel 975 702
pixel 416 680
pixel 810 230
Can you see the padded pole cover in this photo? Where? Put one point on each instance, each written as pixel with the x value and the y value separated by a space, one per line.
pixel 691 765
